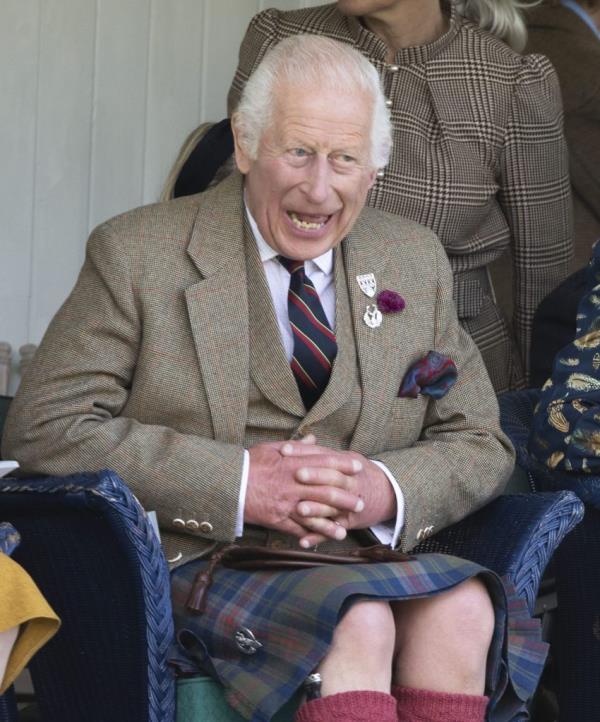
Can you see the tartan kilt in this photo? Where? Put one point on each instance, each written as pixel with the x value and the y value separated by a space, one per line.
pixel 294 614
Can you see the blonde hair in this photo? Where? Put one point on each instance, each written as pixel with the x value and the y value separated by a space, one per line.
pixel 186 149
pixel 503 18
pixel 312 60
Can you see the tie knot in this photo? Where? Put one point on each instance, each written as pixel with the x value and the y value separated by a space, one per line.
pixel 290 265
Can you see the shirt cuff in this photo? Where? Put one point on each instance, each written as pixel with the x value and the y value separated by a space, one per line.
pixel 239 519
pixel 388 532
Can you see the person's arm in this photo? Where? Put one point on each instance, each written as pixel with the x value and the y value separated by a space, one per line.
pixel 71 411
pixel 262 34
pixel 74 411
pixel 565 428
pixel 462 459
pixel 535 193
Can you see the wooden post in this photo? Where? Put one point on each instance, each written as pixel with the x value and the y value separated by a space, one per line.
pixel 5 351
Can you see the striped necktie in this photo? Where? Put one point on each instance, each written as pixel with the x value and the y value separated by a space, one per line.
pixel 315 346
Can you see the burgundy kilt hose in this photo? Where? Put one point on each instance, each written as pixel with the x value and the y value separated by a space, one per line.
pixel 478 156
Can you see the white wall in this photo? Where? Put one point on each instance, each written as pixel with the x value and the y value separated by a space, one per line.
pixel 96 97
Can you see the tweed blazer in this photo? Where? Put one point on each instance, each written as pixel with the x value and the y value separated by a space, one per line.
pixel 146 369
pixel 575 53
pixel 478 156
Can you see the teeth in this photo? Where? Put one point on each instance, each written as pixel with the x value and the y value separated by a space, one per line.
pixel 304 225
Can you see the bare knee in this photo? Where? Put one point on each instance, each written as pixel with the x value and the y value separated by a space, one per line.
pixel 368 624
pixel 470 611
pixel 362 650
pixel 443 641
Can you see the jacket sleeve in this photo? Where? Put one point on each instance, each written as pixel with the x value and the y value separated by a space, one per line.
pixel 566 423
pixel 70 413
pixel 261 35
pixel 535 193
pixel 462 459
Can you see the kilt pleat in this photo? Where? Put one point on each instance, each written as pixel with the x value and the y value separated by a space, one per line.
pixel 293 616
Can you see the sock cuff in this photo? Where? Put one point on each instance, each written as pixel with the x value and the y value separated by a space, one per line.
pixel 425 704
pixel 355 706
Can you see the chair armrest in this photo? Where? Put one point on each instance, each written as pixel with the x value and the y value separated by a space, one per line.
pixel 514 535
pixel 89 546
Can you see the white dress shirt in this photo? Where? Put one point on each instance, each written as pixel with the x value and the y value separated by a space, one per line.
pixel 320 272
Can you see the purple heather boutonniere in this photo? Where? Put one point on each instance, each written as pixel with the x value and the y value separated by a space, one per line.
pixel 390 302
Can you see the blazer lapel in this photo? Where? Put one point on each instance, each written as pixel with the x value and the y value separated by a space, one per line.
pixel 218 308
pixel 377 348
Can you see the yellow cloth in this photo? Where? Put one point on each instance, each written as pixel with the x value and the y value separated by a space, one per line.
pixel 22 603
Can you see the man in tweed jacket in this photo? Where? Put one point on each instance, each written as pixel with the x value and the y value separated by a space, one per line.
pixel 166 363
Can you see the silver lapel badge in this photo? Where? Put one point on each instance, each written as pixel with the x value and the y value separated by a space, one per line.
pixel 373 316
pixel 367 283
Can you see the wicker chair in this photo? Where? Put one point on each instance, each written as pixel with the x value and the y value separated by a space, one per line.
pixel 576 635
pixel 94 555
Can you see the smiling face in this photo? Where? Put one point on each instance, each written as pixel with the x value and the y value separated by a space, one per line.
pixel 312 173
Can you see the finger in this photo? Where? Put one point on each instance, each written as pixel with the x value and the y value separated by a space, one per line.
pixel 312 508
pixel 317 456
pixel 290 526
pixel 342 460
pixel 315 474
pixel 328 528
pixel 341 499
pixel 312 540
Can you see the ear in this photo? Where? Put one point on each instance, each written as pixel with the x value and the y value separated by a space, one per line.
pixel 242 158
pixel 372 178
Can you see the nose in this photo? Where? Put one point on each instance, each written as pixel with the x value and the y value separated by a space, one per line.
pixel 317 184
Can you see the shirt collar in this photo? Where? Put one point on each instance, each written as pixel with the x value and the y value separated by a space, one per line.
pixel 583 14
pixel 323 262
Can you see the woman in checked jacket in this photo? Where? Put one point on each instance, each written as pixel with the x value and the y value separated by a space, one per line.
pixel 479 154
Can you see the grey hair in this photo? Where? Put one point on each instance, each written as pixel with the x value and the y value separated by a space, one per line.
pixel 312 60
pixel 503 18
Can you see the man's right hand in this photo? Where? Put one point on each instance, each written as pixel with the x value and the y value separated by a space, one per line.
pixel 273 492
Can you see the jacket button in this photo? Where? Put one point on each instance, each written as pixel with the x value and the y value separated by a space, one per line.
pixel 206 527
pixel 178 523
pixel 192 525
pixel 393 68
pixel 389 102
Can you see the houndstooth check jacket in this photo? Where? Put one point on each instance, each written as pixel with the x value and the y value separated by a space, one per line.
pixel 150 368
pixel 479 157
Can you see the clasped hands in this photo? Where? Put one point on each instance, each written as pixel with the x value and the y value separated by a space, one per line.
pixel 313 492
